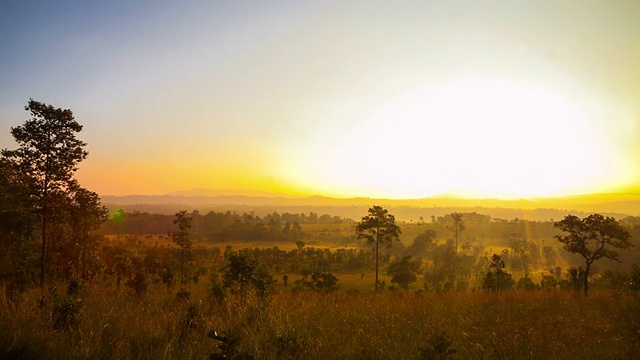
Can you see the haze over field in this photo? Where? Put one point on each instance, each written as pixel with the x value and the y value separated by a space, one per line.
pixel 409 99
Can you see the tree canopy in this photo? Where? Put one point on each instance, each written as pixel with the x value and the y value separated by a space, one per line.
pixel 593 238
pixel 379 228
pixel 404 271
pixel 181 237
pixel 41 177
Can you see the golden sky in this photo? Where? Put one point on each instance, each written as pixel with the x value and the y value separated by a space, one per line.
pixel 398 99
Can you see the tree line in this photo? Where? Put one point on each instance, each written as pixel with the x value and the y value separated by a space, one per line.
pixel 594 237
pixel 220 226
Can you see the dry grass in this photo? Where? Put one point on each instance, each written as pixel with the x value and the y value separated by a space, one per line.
pixel 342 325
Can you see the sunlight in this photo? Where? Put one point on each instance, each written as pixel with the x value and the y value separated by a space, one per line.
pixel 481 136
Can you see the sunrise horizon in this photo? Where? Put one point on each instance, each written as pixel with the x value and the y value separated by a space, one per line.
pixel 402 101
pixel 248 192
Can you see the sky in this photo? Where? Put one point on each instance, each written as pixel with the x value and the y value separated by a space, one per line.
pixel 395 99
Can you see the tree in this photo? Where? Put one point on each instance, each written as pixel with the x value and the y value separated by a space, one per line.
pixel 592 238
pixel 299 246
pixel 458 226
pixel 497 279
pixel 48 154
pixel 118 261
pixel 326 282
pixel 16 229
pixel 379 228
pixel 520 248
pixel 442 277
pixel 242 273
pixel 404 271
pixel 181 237
pixel 423 244
pixel 87 214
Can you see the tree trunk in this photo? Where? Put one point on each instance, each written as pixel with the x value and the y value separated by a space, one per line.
pixel 586 279
pixel 181 264
pixel 456 225
pixel 377 246
pixel 44 247
pixel 84 259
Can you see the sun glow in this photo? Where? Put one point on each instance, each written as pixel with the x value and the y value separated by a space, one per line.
pixel 481 136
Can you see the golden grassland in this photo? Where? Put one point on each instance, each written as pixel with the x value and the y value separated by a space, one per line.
pixel 347 324
pixel 351 323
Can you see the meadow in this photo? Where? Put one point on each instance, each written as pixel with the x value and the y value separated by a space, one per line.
pixel 152 314
pixel 173 323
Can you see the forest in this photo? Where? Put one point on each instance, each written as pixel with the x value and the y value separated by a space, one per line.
pixel 79 281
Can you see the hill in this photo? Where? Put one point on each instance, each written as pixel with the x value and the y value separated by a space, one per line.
pixel 618 205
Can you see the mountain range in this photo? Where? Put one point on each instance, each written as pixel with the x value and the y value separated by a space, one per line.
pixel 262 202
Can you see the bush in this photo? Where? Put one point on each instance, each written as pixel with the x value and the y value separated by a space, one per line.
pixel 66 313
pixel 183 294
pixel 192 318
pixel 167 277
pixel 548 282
pixel 218 290
pixel 438 347
pixel 242 274
pixel 139 283
pixel 74 288
pixel 229 346
pixel 527 284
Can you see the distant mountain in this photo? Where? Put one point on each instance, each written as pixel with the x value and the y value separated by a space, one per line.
pixel 204 200
pixel 228 192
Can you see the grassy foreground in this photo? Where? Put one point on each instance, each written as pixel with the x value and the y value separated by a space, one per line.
pixel 163 324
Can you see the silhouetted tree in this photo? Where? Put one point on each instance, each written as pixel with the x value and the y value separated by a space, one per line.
pixel 520 249
pixel 379 228
pixel 118 262
pixel 442 276
pixel 592 238
pixel 497 279
pixel 423 244
pixel 16 229
pixel 242 273
pixel 86 215
pixel 457 227
pixel 404 271
pixel 181 237
pixel 326 282
pixel 48 154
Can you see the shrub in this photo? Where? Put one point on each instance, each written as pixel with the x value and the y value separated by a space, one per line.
pixel 192 317
pixel 218 290
pixel 139 283
pixel 548 282
pixel 183 294
pixel 74 288
pixel 289 346
pixel 526 284
pixel 229 346
pixel 242 274
pixel 438 347
pixel 167 277
pixel 66 313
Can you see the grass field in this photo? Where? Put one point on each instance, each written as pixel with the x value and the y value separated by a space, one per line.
pixel 348 324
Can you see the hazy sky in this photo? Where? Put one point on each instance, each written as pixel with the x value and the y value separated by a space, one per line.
pixel 343 98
